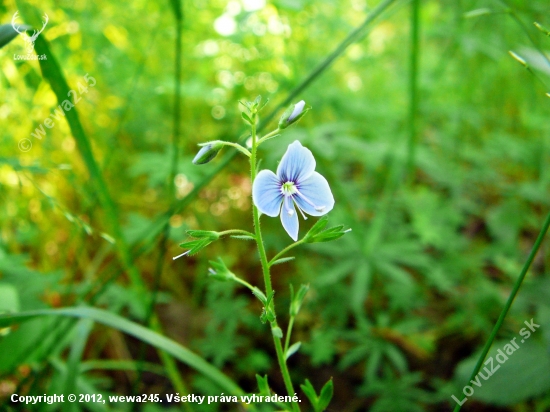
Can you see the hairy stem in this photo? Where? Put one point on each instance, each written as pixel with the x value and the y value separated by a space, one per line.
pixel 288 333
pixel 285 250
pixel 268 136
pixel 236 232
pixel 265 269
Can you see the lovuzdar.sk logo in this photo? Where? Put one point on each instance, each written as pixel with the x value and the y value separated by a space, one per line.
pixel 29 39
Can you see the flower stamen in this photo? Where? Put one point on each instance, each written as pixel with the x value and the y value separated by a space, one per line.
pixel 288 206
pixel 309 202
pixel 288 188
pixel 301 211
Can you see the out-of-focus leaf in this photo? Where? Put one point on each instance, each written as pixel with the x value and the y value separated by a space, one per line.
pixel 144 334
pixel 7 33
pixel 522 375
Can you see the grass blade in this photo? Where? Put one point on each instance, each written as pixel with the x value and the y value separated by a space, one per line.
pixel 131 328
pixel 509 301
pixel 83 329
pixel 413 87
pixel 53 74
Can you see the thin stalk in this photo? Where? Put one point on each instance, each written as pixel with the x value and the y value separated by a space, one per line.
pixel 244 283
pixel 256 217
pixel 237 146
pixel 151 317
pixel 171 367
pixel 413 87
pixel 509 302
pixel 337 52
pixel 266 273
pixel 524 28
pixel 288 333
pixel 268 136
pixel 236 232
pixel 285 250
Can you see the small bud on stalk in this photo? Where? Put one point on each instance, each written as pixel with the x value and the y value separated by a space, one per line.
pixel 207 152
pixel 293 114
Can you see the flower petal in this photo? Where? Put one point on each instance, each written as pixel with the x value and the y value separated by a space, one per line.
pixel 298 107
pixel 266 193
pixel 289 218
pixel 314 197
pixel 297 164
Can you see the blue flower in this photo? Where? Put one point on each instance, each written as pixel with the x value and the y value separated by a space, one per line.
pixel 296 183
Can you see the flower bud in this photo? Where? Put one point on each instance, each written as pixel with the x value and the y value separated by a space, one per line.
pixel 298 107
pixel 294 113
pixel 219 271
pixel 207 152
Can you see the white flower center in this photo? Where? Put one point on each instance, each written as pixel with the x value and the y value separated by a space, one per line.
pixel 288 188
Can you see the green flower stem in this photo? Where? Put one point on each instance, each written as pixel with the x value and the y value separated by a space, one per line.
pixel 413 89
pixel 236 232
pixel 285 250
pixel 509 302
pixel 268 136
pixel 265 269
pixel 288 333
pixel 244 283
pixel 237 146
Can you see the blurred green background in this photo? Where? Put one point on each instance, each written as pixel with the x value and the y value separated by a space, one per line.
pixel 437 151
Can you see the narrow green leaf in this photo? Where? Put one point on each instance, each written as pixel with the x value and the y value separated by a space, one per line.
pixel 260 295
pixel 309 391
pixel 293 349
pixel 282 260
pixel 296 300
pixel 108 238
pixel 131 328
pixel 9 298
pixel 7 33
pixel 196 245
pixel 83 386
pixel 326 396
pixel 257 100
pixel 9 302
pixel 51 71
pixel 333 233
pixel 542 28
pixel 318 226
pixel 263 385
pixel 121 365
pixel 83 329
pixel 246 118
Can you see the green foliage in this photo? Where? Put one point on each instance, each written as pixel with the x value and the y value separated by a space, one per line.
pixel 321 401
pixel 7 33
pixel 527 366
pixel 442 175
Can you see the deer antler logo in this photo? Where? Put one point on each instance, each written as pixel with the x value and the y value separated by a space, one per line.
pixel 29 40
